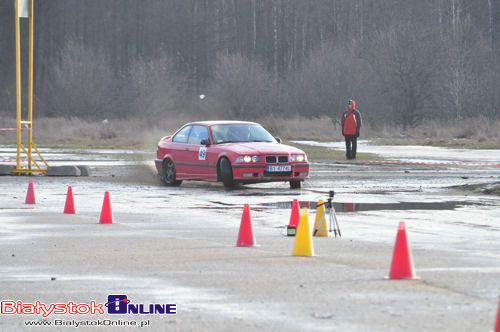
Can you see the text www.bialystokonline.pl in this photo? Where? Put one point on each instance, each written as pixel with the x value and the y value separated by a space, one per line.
pixel 89 323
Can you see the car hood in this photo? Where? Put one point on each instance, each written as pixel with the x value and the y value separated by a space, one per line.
pixel 255 148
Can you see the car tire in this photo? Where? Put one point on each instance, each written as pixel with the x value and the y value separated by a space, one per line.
pixel 294 184
pixel 169 174
pixel 226 173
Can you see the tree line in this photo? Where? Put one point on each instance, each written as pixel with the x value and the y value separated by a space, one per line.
pixel 402 61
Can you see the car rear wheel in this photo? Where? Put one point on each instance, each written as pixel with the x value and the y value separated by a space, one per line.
pixel 226 173
pixel 169 174
pixel 294 184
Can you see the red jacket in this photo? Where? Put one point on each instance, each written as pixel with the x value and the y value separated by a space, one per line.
pixel 351 123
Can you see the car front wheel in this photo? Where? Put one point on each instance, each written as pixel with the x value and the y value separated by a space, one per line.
pixel 169 174
pixel 295 184
pixel 226 173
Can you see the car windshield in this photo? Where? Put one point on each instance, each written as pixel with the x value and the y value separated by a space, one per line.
pixel 240 132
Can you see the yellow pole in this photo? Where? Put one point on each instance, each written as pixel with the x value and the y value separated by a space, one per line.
pixel 18 86
pixel 30 86
pixel 31 144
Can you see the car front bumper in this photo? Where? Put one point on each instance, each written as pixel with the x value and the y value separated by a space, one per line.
pixel 252 173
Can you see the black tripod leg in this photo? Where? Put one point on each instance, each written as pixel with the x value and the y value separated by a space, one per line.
pixel 319 224
pixel 337 222
pixel 332 221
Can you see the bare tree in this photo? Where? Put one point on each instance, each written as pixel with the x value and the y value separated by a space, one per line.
pixel 491 25
pixel 241 89
pixel 155 88
pixel 82 84
pixel 295 42
pixel 332 75
pixel 406 59
pixel 466 70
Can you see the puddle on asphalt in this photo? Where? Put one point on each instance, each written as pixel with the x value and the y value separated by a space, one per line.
pixel 353 207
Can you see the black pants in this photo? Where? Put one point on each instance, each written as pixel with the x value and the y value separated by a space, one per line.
pixel 350 146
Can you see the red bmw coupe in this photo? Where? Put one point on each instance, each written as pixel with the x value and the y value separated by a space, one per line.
pixel 228 151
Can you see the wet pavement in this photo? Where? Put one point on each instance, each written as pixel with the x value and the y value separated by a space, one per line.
pixel 453 227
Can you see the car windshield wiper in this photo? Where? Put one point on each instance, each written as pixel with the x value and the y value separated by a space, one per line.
pixel 260 140
pixel 229 142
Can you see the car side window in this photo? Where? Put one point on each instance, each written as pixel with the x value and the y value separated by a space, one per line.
pixel 197 134
pixel 182 135
pixel 216 134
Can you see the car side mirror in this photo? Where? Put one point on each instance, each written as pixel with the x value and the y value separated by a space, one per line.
pixel 278 139
pixel 205 141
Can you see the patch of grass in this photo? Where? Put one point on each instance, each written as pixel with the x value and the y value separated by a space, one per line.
pixel 77 133
pixel 446 143
pixel 474 133
pixel 324 153
pixel 137 133
pixel 472 144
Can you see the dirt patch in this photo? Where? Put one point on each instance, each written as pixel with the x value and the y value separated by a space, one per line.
pixel 492 189
pixel 480 188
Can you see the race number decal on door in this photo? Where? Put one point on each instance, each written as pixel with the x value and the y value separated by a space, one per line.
pixel 202 154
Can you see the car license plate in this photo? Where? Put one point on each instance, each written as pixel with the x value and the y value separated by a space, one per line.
pixel 279 168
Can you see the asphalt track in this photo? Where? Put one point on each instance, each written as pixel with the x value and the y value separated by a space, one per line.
pixel 178 245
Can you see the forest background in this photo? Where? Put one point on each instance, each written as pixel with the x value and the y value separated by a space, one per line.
pixel 426 69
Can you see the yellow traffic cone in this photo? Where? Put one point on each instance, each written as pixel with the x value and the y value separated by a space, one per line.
pixel 320 227
pixel 303 245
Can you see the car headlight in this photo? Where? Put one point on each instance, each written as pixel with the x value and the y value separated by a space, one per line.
pixel 298 157
pixel 247 159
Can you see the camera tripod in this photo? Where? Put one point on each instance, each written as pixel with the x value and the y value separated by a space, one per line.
pixel 333 222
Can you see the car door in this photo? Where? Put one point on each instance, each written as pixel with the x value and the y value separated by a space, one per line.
pixel 200 166
pixel 180 152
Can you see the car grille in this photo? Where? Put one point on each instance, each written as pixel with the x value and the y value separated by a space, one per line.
pixel 276 174
pixel 276 159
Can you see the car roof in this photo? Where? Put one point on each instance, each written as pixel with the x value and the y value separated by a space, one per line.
pixel 218 122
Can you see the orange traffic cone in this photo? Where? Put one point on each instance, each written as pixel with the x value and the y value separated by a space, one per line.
pixel 106 214
pixel 402 262
pixel 245 236
pixel 69 207
pixel 295 215
pixel 497 325
pixel 30 196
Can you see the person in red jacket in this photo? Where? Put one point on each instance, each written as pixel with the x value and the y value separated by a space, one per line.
pixel 351 123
